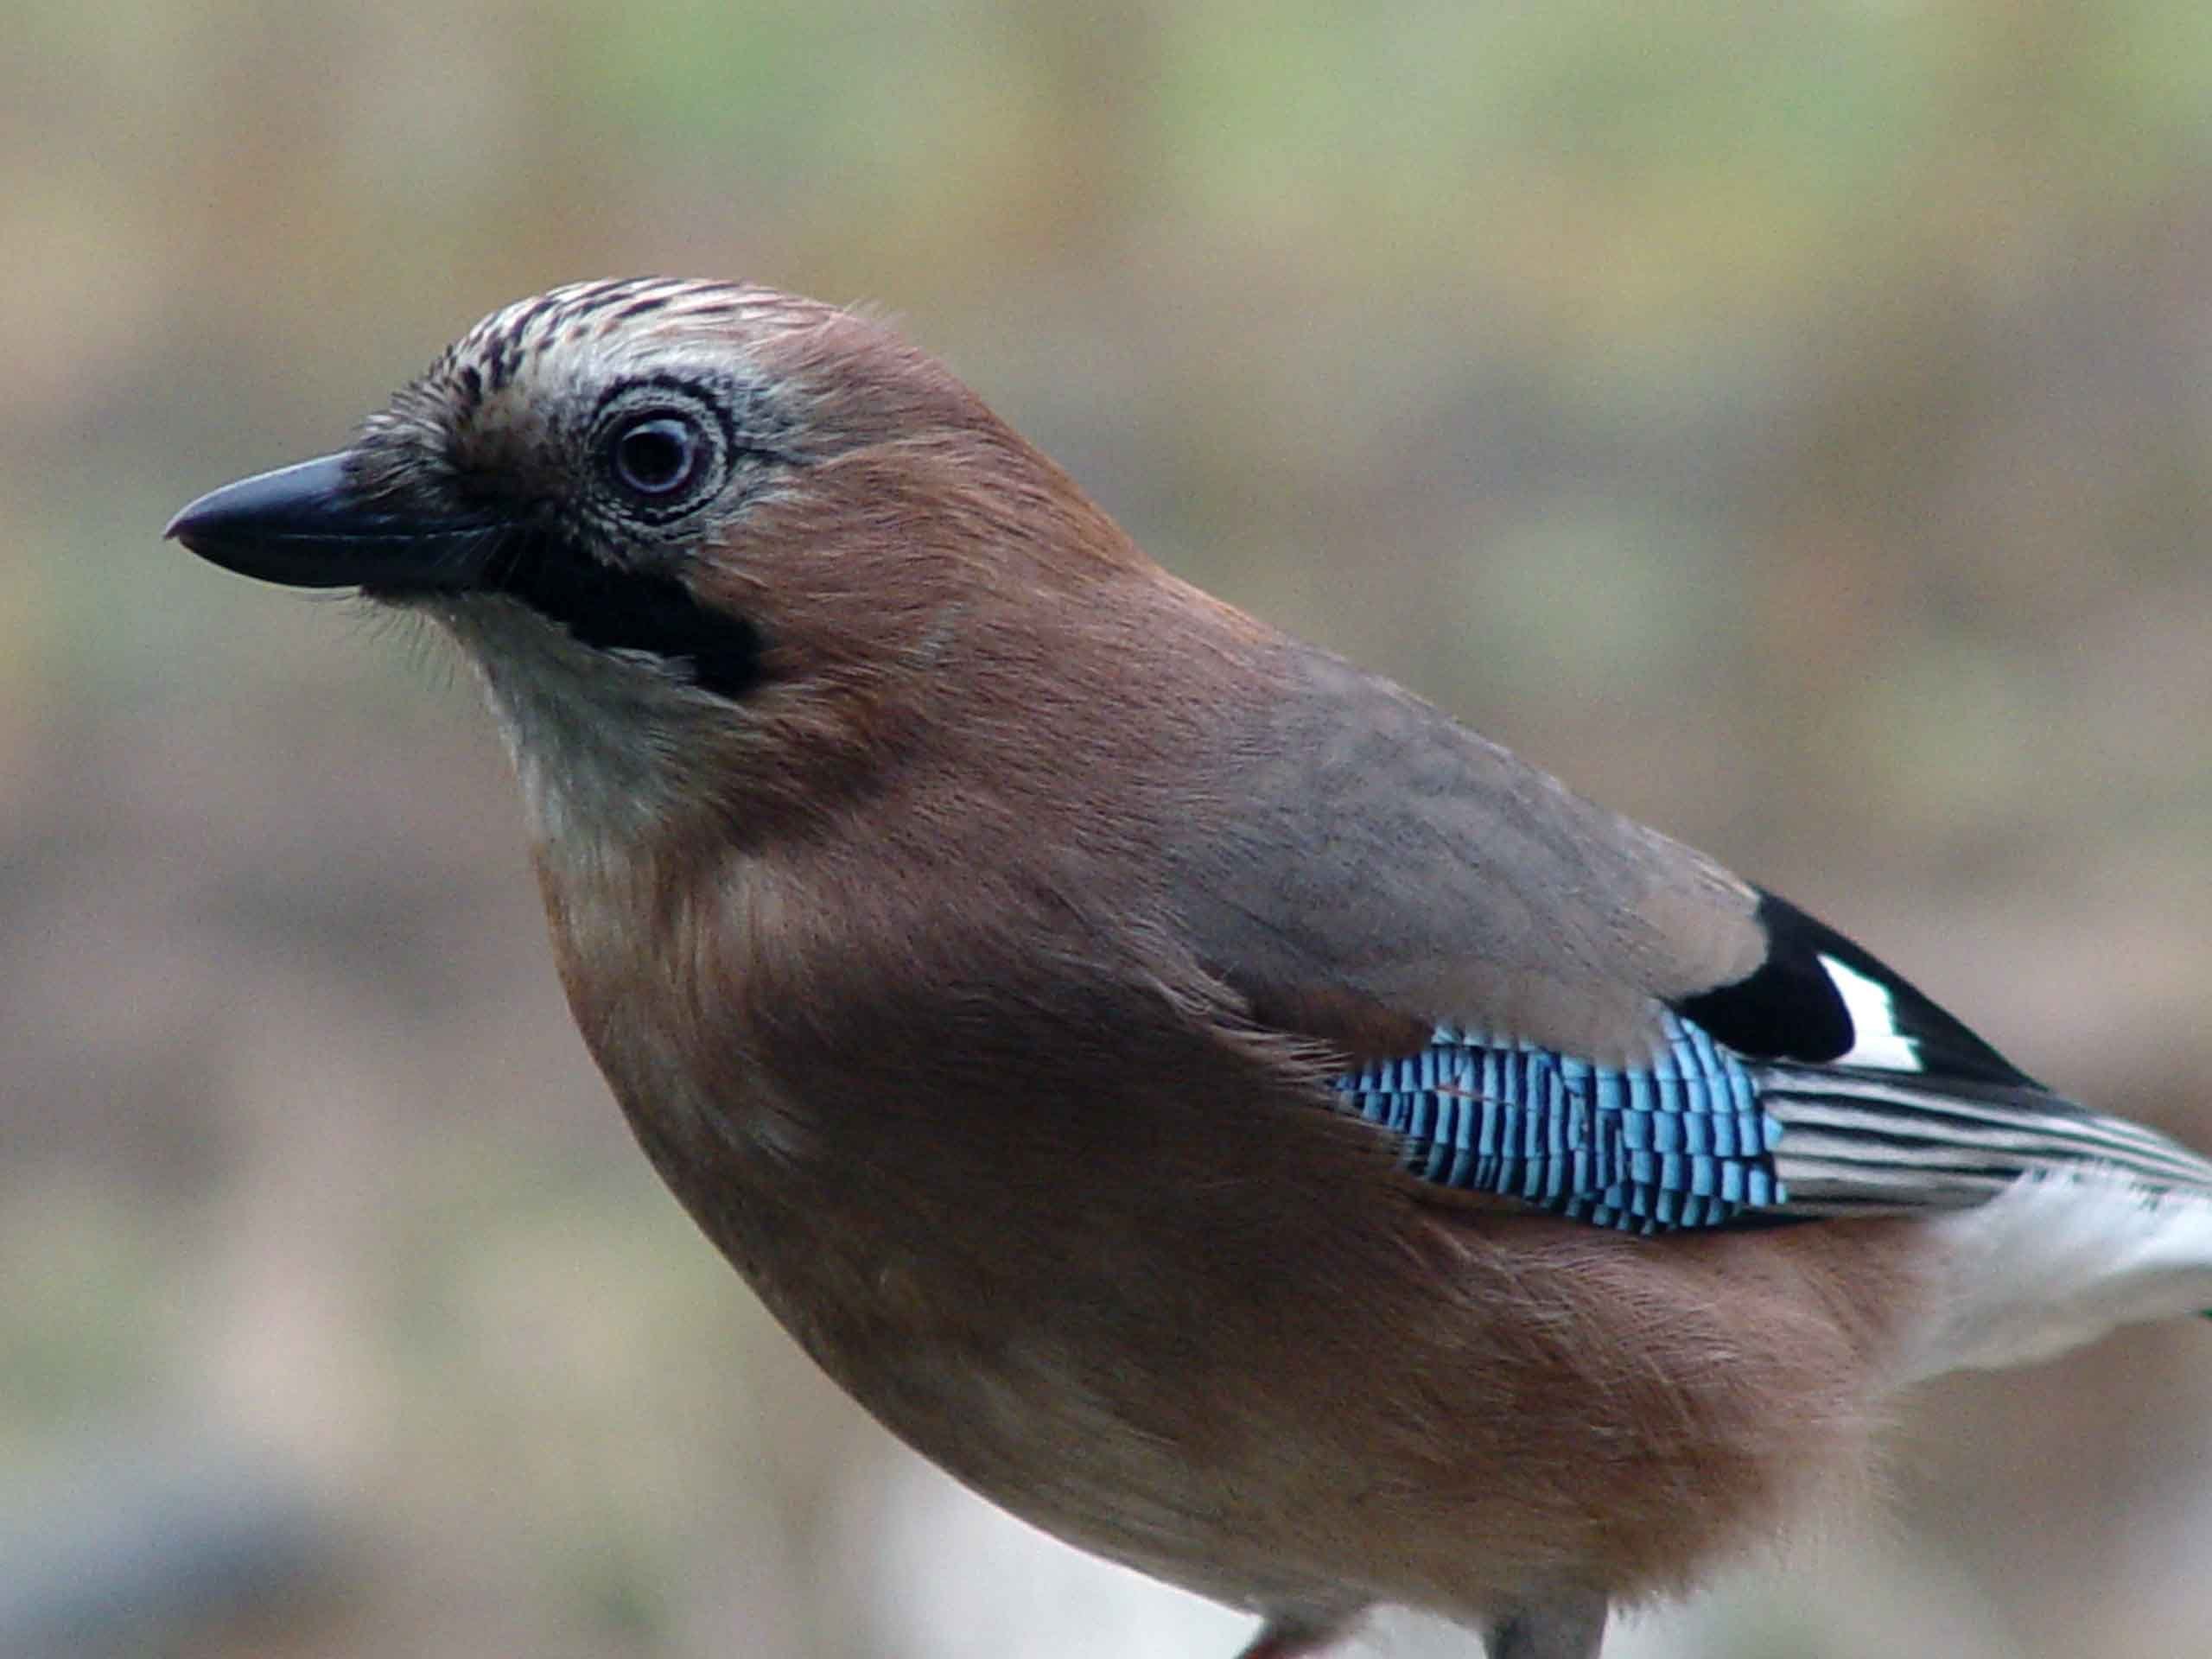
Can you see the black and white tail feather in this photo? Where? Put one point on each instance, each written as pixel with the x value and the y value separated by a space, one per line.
pixel 1858 1140
pixel 2063 1223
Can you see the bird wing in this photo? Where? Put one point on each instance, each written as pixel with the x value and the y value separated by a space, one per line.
pixel 1542 1001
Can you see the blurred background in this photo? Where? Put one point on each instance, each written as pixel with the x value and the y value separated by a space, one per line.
pixel 1788 424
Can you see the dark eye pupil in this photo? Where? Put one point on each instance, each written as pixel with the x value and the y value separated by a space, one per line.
pixel 654 457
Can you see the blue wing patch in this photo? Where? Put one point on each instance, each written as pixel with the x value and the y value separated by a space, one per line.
pixel 1680 1143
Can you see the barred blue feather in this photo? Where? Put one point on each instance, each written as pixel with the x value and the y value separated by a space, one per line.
pixel 1682 1142
pixel 1701 1136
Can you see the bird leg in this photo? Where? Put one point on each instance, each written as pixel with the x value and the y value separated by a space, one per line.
pixel 1292 1638
pixel 1571 1627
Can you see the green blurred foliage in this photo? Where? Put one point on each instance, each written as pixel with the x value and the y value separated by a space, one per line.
pixel 1788 424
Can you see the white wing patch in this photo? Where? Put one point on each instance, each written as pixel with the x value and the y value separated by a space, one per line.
pixel 1875 1038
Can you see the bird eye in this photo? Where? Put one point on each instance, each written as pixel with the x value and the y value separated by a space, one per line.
pixel 656 456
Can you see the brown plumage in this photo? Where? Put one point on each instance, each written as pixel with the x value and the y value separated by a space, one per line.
pixel 974 921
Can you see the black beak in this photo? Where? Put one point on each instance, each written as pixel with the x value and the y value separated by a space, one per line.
pixel 304 526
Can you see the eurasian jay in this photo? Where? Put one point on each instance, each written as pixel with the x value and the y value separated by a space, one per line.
pixel 1207 1099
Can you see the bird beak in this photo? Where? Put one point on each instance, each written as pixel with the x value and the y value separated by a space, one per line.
pixel 305 527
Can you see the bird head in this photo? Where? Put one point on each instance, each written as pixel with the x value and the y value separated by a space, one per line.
pixel 710 546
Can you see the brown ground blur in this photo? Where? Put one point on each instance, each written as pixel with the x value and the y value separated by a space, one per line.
pixel 1791 428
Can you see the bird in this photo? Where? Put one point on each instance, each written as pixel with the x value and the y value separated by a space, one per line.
pixel 1201 1095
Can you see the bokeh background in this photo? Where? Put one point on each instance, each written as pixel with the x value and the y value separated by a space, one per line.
pixel 1789 423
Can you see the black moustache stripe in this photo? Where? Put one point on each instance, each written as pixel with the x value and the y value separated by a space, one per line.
pixel 620 610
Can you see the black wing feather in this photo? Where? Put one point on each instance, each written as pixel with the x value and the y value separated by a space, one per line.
pixel 1790 1009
